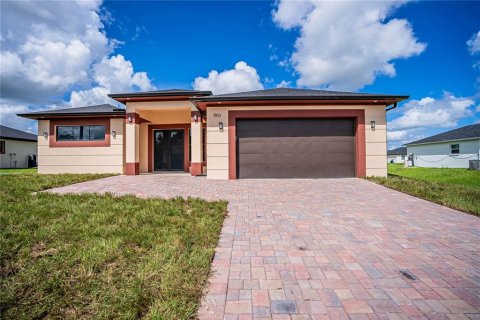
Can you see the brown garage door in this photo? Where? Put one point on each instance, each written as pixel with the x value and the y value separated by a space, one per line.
pixel 295 148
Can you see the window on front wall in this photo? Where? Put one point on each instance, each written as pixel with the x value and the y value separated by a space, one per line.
pixel 403 157
pixel 454 148
pixel 2 147
pixel 81 133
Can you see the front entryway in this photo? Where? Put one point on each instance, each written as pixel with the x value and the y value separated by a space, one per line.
pixel 168 150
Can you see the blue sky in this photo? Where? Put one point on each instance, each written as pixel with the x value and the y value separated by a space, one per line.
pixel 414 48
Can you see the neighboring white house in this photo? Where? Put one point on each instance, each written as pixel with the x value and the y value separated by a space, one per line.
pixel 397 155
pixel 15 147
pixel 451 149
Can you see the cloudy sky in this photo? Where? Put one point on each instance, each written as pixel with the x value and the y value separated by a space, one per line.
pixel 69 54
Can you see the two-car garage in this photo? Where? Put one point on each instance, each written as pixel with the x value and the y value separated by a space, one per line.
pixel 295 148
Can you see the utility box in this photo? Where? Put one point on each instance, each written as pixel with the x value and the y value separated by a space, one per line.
pixel 474 164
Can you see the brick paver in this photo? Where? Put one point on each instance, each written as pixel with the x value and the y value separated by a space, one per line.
pixel 320 249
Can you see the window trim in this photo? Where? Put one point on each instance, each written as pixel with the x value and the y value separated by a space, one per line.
pixel 452 149
pixel 3 146
pixel 54 123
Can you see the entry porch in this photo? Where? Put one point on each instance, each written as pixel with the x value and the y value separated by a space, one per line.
pixel 163 137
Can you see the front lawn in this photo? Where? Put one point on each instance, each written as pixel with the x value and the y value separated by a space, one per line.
pixel 94 256
pixel 455 188
pixel 16 171
pixel 459 177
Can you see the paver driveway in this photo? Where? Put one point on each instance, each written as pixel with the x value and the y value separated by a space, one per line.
pixel 336 249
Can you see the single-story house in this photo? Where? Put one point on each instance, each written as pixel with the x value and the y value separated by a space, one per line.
pixel 397 155
pixel 274 133
pixel 16 147
pixel 451 149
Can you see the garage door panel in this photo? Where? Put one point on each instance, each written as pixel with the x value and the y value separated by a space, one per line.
pixel 295 148
pixel 294 128
pixel 295 171
pixel 295 145
pixel 310 160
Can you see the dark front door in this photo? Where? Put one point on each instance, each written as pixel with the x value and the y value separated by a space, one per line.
pixel 295 148
pixel 168 150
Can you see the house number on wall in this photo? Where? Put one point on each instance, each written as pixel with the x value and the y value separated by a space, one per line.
pixel 218 115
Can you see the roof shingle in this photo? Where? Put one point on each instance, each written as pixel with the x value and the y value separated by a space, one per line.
pixel 402 151
pixel 467 132
pixel 14 134
pixel 290 93
pixel 101 109
pixel 160 93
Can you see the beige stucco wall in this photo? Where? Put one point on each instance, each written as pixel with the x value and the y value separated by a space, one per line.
pixel 21 149
pixel 217 142
pixel 82 159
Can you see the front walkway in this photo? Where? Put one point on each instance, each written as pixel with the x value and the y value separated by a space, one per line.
pixel 318 249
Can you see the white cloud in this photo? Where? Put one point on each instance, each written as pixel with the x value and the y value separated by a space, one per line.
pixel 114 74
pixel 49 49
pixel 417 116
pixel 430 112
pixel 474 43
pixel 345 45
pixel 242 78
pixel 284 84
pixel 93 96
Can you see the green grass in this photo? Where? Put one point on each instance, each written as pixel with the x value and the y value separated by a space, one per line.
pixel 93 256
pixel 455 188
pixel 17 171
pixel 459 177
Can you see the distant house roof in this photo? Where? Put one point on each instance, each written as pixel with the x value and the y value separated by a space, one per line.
pixel 298 94
pixel 158 94
pixel 467 132
pixel 402 151
pixel 14 134
pixel 101 109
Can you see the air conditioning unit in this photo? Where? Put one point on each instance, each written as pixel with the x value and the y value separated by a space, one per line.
pixel 474 164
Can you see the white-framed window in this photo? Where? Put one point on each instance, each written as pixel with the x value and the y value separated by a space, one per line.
pixel 403 157
pixel 454 148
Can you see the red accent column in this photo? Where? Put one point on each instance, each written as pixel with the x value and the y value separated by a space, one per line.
pixel 132 168
pixel 196 169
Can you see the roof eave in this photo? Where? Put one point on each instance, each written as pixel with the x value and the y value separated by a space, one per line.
pixel 202 104
pixel 37 116
pixel 337 98
pixel 440 141
pixel 131 96
pixel 18 139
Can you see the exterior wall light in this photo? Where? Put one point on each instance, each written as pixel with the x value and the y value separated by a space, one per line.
pixel 45 135
pixel 220 126
pixel 372 125
pixel 114 134
pixel 130 119
pixel 195 118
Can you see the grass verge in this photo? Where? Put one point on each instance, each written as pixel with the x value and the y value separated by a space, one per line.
pixel 17 171
pixel 454 188
pixel 448 176
pixel 96 256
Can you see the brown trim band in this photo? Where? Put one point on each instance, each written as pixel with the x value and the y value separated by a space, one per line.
pixel 357 114
pixel 185 127
pixel 132 168
pixel 53 143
